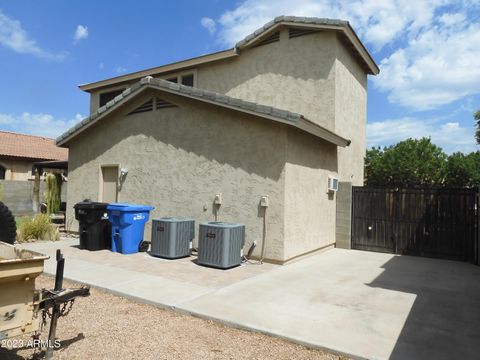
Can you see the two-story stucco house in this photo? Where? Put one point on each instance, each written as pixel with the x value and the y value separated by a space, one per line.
pixel 274 116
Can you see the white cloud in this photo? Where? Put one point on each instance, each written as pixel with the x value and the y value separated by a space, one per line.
pixel 80 33
pixel 14 37
pixel 209 24
pixel 6 119
pixel 450 136
pixel 377 22
pixel 120 70
pixel 38 124
pixel 432 51
pixel 439 66
pixel 450 19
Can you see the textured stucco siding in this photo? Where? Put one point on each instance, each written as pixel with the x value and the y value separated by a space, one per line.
pixel 309 208
pixel 17 169
pixel 350 115
pixel 344 215
pixel 18 195
pixel 179 158
pixel 292 74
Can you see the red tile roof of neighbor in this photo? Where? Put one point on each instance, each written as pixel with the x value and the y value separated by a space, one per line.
pixel 31 147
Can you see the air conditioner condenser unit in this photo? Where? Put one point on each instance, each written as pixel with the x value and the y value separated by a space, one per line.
pixel 220 244
pixel 172 237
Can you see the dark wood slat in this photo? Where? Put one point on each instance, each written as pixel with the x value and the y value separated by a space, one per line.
pixel 439 223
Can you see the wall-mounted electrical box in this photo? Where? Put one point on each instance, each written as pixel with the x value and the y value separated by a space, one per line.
pixel 218 199
pixel 264 201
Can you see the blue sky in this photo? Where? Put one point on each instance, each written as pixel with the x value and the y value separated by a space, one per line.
pixel 428 52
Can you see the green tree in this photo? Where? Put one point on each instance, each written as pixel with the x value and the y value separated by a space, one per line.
pixel 476 116
pixel 463 170
pixel 410 163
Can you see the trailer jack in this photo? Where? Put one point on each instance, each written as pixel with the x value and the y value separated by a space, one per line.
pixel 58 302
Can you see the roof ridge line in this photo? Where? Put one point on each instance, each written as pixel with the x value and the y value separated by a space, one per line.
pixel 261 110
pixel 29 135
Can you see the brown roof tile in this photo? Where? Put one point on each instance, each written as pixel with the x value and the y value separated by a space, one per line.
pixel 32 147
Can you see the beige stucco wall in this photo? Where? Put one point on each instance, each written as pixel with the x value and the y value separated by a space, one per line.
pixel 350 115
pixel 314 75
pixel 309 208
pixel 292 74
pixel 17 169
pixel 179 158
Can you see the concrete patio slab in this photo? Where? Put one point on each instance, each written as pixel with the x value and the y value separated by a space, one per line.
pixel 364 304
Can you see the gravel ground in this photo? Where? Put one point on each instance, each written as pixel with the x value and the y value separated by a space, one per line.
pixel 104 326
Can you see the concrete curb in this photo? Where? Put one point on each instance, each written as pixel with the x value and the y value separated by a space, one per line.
pixel 228 323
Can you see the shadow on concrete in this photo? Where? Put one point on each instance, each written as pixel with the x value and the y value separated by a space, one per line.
pixel 444 322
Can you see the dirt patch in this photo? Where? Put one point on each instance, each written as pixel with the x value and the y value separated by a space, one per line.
pixel 104 326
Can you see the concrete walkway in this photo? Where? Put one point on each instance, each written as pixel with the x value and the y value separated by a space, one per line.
pixel 363 304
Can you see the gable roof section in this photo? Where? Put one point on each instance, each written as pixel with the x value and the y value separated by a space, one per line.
pixel 30 147
pixel 305 22
pixel 163 69
pixel 263 111
pixel 313 23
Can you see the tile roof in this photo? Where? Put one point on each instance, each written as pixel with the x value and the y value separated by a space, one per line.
pixel 31 147
pixel 269 112
pixel 308 22
pixel 291 19
pixel 340 25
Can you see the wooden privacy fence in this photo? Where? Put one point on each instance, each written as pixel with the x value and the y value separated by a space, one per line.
pixel 440 223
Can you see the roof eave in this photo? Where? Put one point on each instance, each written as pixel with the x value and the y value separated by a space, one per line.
pixel 344 27
pixel 294 120
pixel 176 66
pixel 90 121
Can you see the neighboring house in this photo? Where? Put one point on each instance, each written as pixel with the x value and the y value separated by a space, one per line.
pixel 274 116
pixel 19 152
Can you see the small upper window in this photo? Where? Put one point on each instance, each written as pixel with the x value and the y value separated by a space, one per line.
pixel 173 79
pixel 187 80
pixel 107 96
pixel 2 172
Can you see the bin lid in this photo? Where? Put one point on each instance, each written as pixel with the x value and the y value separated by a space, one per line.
pixel 92 205
pixel 129 207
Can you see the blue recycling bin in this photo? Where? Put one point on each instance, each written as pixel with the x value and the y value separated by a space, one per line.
pixel 128 223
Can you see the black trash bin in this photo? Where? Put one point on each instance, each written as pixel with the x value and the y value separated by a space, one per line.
pixel 94 227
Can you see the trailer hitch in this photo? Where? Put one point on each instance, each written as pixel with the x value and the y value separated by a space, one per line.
pixel 58 302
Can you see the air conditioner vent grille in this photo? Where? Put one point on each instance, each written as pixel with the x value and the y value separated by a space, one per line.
pixel 332 183
pixel 220 244
pixel 171 237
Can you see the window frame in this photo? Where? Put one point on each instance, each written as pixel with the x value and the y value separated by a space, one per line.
pixel 118 91
pixel 179 76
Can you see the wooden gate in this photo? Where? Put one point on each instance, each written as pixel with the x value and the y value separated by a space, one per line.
pixel 440 223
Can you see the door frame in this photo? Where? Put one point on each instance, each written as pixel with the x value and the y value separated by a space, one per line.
pixel 100 182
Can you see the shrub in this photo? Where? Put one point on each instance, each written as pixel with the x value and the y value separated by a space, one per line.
pixel 54 185
pixel 39 227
